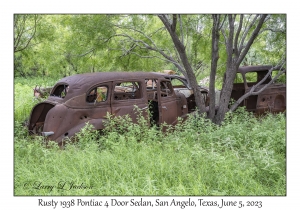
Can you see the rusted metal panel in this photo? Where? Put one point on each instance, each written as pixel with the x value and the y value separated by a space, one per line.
pixel 271 99
pixel 166 104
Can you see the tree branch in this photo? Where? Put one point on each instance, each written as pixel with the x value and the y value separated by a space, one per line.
pixel 181 31
pixel 18 31
pixel 237 52
pixel 31 37
pixel 251 40
pixel 253 91
pixel 246 32
pixel 143 45
pixel 174 23
pixel 224 35
pixel 273 30
pixel 214 64
pixel 89 51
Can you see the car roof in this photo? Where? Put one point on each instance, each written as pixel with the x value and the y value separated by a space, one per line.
pixel 80 83
pixel 106 76
pixel 245 69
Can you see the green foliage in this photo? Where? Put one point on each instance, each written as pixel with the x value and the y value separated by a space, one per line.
pixel 244 156
pixel 69 44
pixel 23 95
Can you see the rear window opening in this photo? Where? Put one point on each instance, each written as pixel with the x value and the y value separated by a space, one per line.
pixel 127 90
pixel 60 91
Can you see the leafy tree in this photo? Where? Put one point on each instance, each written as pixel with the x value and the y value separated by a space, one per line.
pixel 239 35
pixel 180 48
pixel 25 28
pixel 32 35
pixel 193 45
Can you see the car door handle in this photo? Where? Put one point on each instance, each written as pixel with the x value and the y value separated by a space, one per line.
pixel 164 107
pixel 144 108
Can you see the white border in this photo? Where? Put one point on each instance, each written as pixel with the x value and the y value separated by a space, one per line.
pixel 8 8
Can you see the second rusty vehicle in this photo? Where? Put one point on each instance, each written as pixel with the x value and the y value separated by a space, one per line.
pixel 271 98
pixel 82 98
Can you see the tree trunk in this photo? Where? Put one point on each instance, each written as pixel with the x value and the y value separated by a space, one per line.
pixel 183 57
pixel 235 55
pixel 214 64
pixel 229 75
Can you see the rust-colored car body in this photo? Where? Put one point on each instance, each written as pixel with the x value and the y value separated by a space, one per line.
pixel 82 98
pixel 271 99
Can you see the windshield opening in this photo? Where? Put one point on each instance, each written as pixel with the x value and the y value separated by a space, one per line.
pixel 60 91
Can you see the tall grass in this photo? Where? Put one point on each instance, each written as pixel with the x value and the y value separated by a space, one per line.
pixel 23 95
pixel 244 156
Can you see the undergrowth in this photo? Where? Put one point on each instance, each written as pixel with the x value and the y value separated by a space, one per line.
pixel 246 155
pixel 195 158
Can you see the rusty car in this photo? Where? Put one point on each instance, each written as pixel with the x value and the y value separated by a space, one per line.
pixel 271 99
pixel 87 98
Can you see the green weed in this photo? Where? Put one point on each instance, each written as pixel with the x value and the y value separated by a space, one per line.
pixel 244 156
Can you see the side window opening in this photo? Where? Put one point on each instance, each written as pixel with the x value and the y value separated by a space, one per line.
pixel 97 95
pixel 251 77
pixel 151 84
pixel 61 91
pixel 165 89
pixel 238 78
pixel 127 90
pixel 262 74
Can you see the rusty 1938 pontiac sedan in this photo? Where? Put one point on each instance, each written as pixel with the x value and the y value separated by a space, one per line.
pixel 82 98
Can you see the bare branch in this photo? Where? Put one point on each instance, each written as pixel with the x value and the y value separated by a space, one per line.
pixel 167 60
pixel 20 33
pixel 160 29
pixel 251 40
pixel 273 30
pixel 174 23
pixel 221 25
pixel 143 45
pixel 224 35
pixel 229 44
pixel 181 31
pixel 31 37
pixel 89 51
pixel 140 32
pixel 246 32
pixel 132 47
pixel 237 52
pixel 268 18
pixel 165 22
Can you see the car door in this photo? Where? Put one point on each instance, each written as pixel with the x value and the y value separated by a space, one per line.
pixel 98 104
pixel 167 103
pixel 127 97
